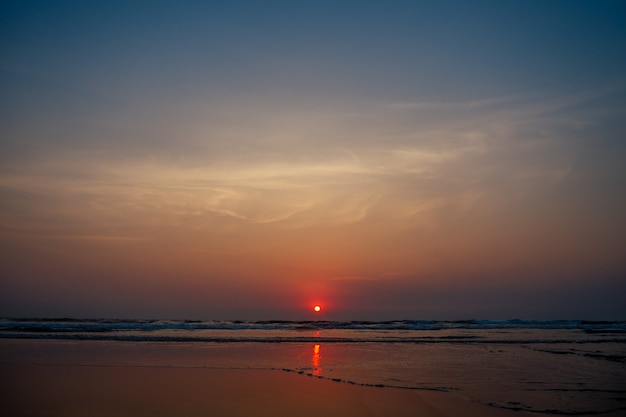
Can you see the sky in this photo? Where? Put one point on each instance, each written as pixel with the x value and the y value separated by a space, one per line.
pixel 249 159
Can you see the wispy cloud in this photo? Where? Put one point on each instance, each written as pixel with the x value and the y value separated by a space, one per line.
pixel 403 167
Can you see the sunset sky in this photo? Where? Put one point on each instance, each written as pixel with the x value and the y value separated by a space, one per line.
pixel 249 159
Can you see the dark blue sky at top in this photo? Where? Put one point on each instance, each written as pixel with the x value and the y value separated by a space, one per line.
pixel 95 57
pixel 453 49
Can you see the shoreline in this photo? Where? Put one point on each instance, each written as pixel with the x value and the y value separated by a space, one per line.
pixel 73 390
pixel 93 378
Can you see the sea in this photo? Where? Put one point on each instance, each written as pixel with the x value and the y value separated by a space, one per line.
pixel 559 367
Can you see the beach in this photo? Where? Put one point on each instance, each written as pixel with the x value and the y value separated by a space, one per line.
pixel 113 378
pixel 484 367
pixel 51 390
pixel 52 378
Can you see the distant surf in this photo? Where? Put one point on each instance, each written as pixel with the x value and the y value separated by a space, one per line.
pixel 275 331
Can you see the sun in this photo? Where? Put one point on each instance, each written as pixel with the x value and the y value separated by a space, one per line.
pixel 317 308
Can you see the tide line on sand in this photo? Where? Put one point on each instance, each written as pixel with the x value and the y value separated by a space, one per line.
pixel 32 389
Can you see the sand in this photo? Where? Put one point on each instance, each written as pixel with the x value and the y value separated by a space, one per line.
pixel 84 378
pixel 62 390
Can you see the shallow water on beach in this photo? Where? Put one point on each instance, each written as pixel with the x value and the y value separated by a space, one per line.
pixel 566 371
pixel 531 378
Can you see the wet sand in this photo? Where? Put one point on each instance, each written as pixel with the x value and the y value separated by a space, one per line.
pixel 62 390
pixel 82 378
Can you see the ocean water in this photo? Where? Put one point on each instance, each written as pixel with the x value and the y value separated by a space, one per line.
pixel 569 367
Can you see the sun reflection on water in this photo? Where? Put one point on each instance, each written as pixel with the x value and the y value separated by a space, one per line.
pixel 315 361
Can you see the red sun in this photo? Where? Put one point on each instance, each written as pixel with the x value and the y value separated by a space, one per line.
pixel 317 308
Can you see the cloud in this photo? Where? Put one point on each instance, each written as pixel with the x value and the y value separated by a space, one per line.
pixel 304 165
pixel 331 189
